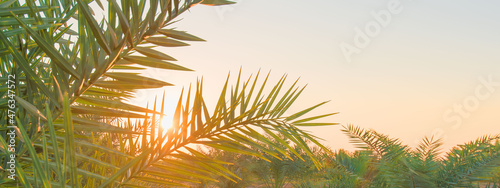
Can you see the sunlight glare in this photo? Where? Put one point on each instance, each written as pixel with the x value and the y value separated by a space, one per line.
pixel 166 122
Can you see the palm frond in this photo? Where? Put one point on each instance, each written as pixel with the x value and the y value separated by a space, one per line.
pixel 474 161
pixel 228 127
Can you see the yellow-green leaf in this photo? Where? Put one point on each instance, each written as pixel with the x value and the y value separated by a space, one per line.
pixel 96 30
pixel 30 108
pixel 134 78
pixel 181 35
pixel 104 112
pixel 154 53
pixel 156 63
pixel 113 104
pixel 124 85
pixel 127 67
pixel 124 62
pixel 162 41
pixel 216 2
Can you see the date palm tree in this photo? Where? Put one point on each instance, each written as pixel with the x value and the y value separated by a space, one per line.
pixel 69 73
pixel 393 164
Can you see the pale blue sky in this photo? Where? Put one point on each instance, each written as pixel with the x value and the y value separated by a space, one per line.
pixel 429 57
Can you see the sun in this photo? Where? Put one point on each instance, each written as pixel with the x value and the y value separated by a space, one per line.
pixel 166 122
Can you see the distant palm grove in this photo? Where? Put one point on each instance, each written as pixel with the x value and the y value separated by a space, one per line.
pixel 66 77
pixel 381 162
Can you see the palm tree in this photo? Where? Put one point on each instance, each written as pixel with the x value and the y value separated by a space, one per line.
pixel 474 164
pixel 345 169
pixel 295 168
pixel 68 75
pixel 238 164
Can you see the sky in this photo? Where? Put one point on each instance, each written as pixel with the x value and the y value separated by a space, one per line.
pixel 408 69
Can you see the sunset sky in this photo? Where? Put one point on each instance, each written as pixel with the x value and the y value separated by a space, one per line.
pixel 433 67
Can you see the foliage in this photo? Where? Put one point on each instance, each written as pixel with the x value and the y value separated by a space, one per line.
pixel 240 165
pixel 282 170
pixel 277 171
pixel 344 169
pixel 384 162
pixel 74 72
pixel 473 164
